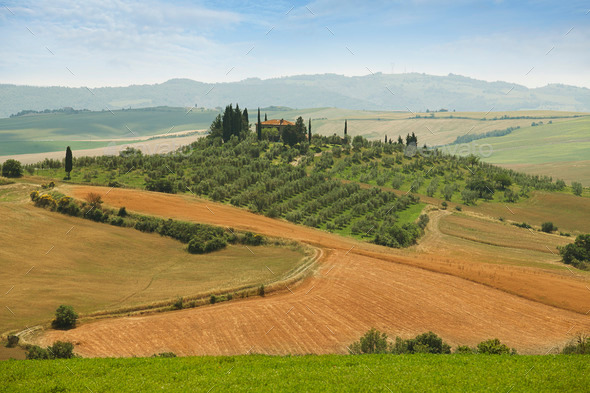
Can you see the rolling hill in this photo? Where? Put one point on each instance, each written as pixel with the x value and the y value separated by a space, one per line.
pixel 413 91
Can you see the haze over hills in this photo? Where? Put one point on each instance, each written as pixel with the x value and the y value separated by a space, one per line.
pixel 412 91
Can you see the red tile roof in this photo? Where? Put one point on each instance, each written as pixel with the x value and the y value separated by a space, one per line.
pixel 275 122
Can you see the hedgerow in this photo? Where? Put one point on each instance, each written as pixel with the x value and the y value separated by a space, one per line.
pixel 200 238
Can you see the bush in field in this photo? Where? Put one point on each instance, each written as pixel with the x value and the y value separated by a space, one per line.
pixel 122 212
pixel 579 346
pixel 423 343
pixel 373 341
pixel 577 188
pixel 465 350
pixel 12 341
pixel 94 199
pixel 164 355
pixel 213 299
pixel 12 168
pixel 261 290
pixel 214 245
pixel 196 246
pixel 35 352
pixel 578 253
pixel 548 227
pixel 494 347
pixel 178 304
pixel 59 350
pixel 423 220
pixel 252 239
pixel 65 317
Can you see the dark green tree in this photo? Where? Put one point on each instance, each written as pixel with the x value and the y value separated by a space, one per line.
pixel 265 118
pixel 245 121
pixel 216 129
pixel 291 136
pixel 400 141
pixel 65 317
pixel 237 122
pixel 12 168
pixel 300 129
pixel 309 131
pixel 259 127
pixel 345 128
pixel 68 161
pixel 227 122
pixel 577 188
pixel 385 138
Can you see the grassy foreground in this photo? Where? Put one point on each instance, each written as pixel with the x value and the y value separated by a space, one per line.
pixel 367 373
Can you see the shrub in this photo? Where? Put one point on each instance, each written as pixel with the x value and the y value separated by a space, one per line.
pixel 12 341
pixel 458 208
pixel 373 341
pixel 578 253
pixel 196 246
pixel 494 347
pixel 214 245
pixel 213 299
pixel 465 350
pixel 122 212
pixel 94 199
pixel 548 227
pixel 579 346
pixel 117 221
pixel 523 225
pixel 576 187
pixel 178 304
pixel 261 291
pixel 252 239
pixel 35 352
pixel 61 350
pixel 444 205
pixel 164 355
pixel 65 317
pixel 423 221
pixel 12 168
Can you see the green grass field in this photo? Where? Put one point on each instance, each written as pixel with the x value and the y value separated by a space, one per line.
pixel 333 373
pixel 47 132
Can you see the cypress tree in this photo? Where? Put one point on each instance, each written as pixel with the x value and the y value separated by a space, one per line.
pixel 237 122
pixel 69 160
pixel 309 131
pixel 265 118
pixel 245 121
pixel 345 128
pixel 227 122
pixel 400 140
pixel 385 138
pixel 259 126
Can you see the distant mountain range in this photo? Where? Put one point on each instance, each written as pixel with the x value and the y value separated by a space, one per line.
pixel 415 92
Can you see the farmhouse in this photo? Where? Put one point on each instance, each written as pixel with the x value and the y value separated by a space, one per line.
pixel 274 123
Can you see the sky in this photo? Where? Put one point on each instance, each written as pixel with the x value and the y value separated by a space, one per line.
pixel 119 43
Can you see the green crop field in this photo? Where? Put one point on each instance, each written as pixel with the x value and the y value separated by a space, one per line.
pixel 334 373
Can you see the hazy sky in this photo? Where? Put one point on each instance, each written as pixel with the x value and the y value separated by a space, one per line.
pixel 114 43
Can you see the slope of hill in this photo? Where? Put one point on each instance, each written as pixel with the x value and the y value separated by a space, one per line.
pixel 413 91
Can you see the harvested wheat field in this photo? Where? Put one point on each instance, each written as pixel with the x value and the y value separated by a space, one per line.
pixel 356 286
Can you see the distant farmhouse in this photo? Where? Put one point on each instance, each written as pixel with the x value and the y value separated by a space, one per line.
pixel 274 123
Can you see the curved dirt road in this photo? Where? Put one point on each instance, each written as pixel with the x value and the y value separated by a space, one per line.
pixel 357 286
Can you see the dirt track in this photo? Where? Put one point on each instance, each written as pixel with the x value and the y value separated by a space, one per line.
pixel 357 286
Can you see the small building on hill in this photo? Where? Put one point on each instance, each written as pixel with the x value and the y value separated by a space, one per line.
pixel 274 123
